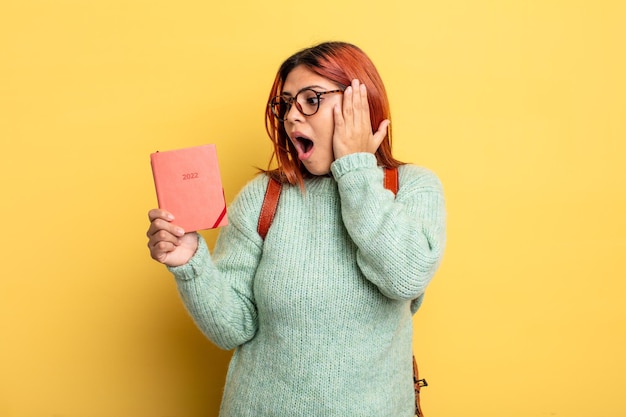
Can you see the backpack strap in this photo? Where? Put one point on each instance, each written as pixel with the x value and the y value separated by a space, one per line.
pixel 391 179
pixel 268 209
pixel 417 385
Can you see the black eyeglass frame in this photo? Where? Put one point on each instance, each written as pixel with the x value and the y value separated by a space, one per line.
pixel 288 101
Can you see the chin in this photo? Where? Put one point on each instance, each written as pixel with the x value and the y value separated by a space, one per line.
pixel 318 171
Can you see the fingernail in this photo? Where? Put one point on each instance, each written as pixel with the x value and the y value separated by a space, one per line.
pixel 179 231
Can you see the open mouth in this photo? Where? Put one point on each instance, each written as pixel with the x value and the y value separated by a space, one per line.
pixel 305 144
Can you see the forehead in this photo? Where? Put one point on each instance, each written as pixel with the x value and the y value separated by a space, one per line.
pixel 301 77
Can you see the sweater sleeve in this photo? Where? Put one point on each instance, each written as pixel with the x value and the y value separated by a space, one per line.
pixel 217 289
pixel 400 239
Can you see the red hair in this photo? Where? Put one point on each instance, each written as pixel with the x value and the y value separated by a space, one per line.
pixel 339 62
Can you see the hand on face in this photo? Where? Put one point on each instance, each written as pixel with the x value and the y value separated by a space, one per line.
pixel 353 130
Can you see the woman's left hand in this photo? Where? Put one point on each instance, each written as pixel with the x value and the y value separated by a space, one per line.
pixel 353 128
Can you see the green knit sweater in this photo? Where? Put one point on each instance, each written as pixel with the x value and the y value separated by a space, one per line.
pixel 319 314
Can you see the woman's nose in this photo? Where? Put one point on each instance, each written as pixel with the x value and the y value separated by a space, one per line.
pixel 294 114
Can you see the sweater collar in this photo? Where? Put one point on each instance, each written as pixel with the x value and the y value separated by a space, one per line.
pixel 321 185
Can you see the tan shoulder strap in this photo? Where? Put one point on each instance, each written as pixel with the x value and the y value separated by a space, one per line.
pixel 268 209
pixel 417 385
pixel 391 179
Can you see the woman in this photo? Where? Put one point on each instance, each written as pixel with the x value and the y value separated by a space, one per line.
pixel 319 312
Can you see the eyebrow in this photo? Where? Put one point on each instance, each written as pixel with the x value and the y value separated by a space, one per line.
pixel 286 93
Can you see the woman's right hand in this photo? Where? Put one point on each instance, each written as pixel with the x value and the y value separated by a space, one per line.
pixel 168 243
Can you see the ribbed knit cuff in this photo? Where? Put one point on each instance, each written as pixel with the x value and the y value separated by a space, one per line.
pixel 352 162
pixel 195 265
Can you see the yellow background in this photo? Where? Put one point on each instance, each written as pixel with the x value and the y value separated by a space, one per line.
pixel 519 106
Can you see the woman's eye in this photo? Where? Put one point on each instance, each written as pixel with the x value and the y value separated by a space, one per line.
pixel 313 100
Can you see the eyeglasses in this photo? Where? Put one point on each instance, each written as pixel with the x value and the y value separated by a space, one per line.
pixel 307 102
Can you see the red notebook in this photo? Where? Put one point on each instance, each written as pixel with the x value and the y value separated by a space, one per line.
pixel 188 185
